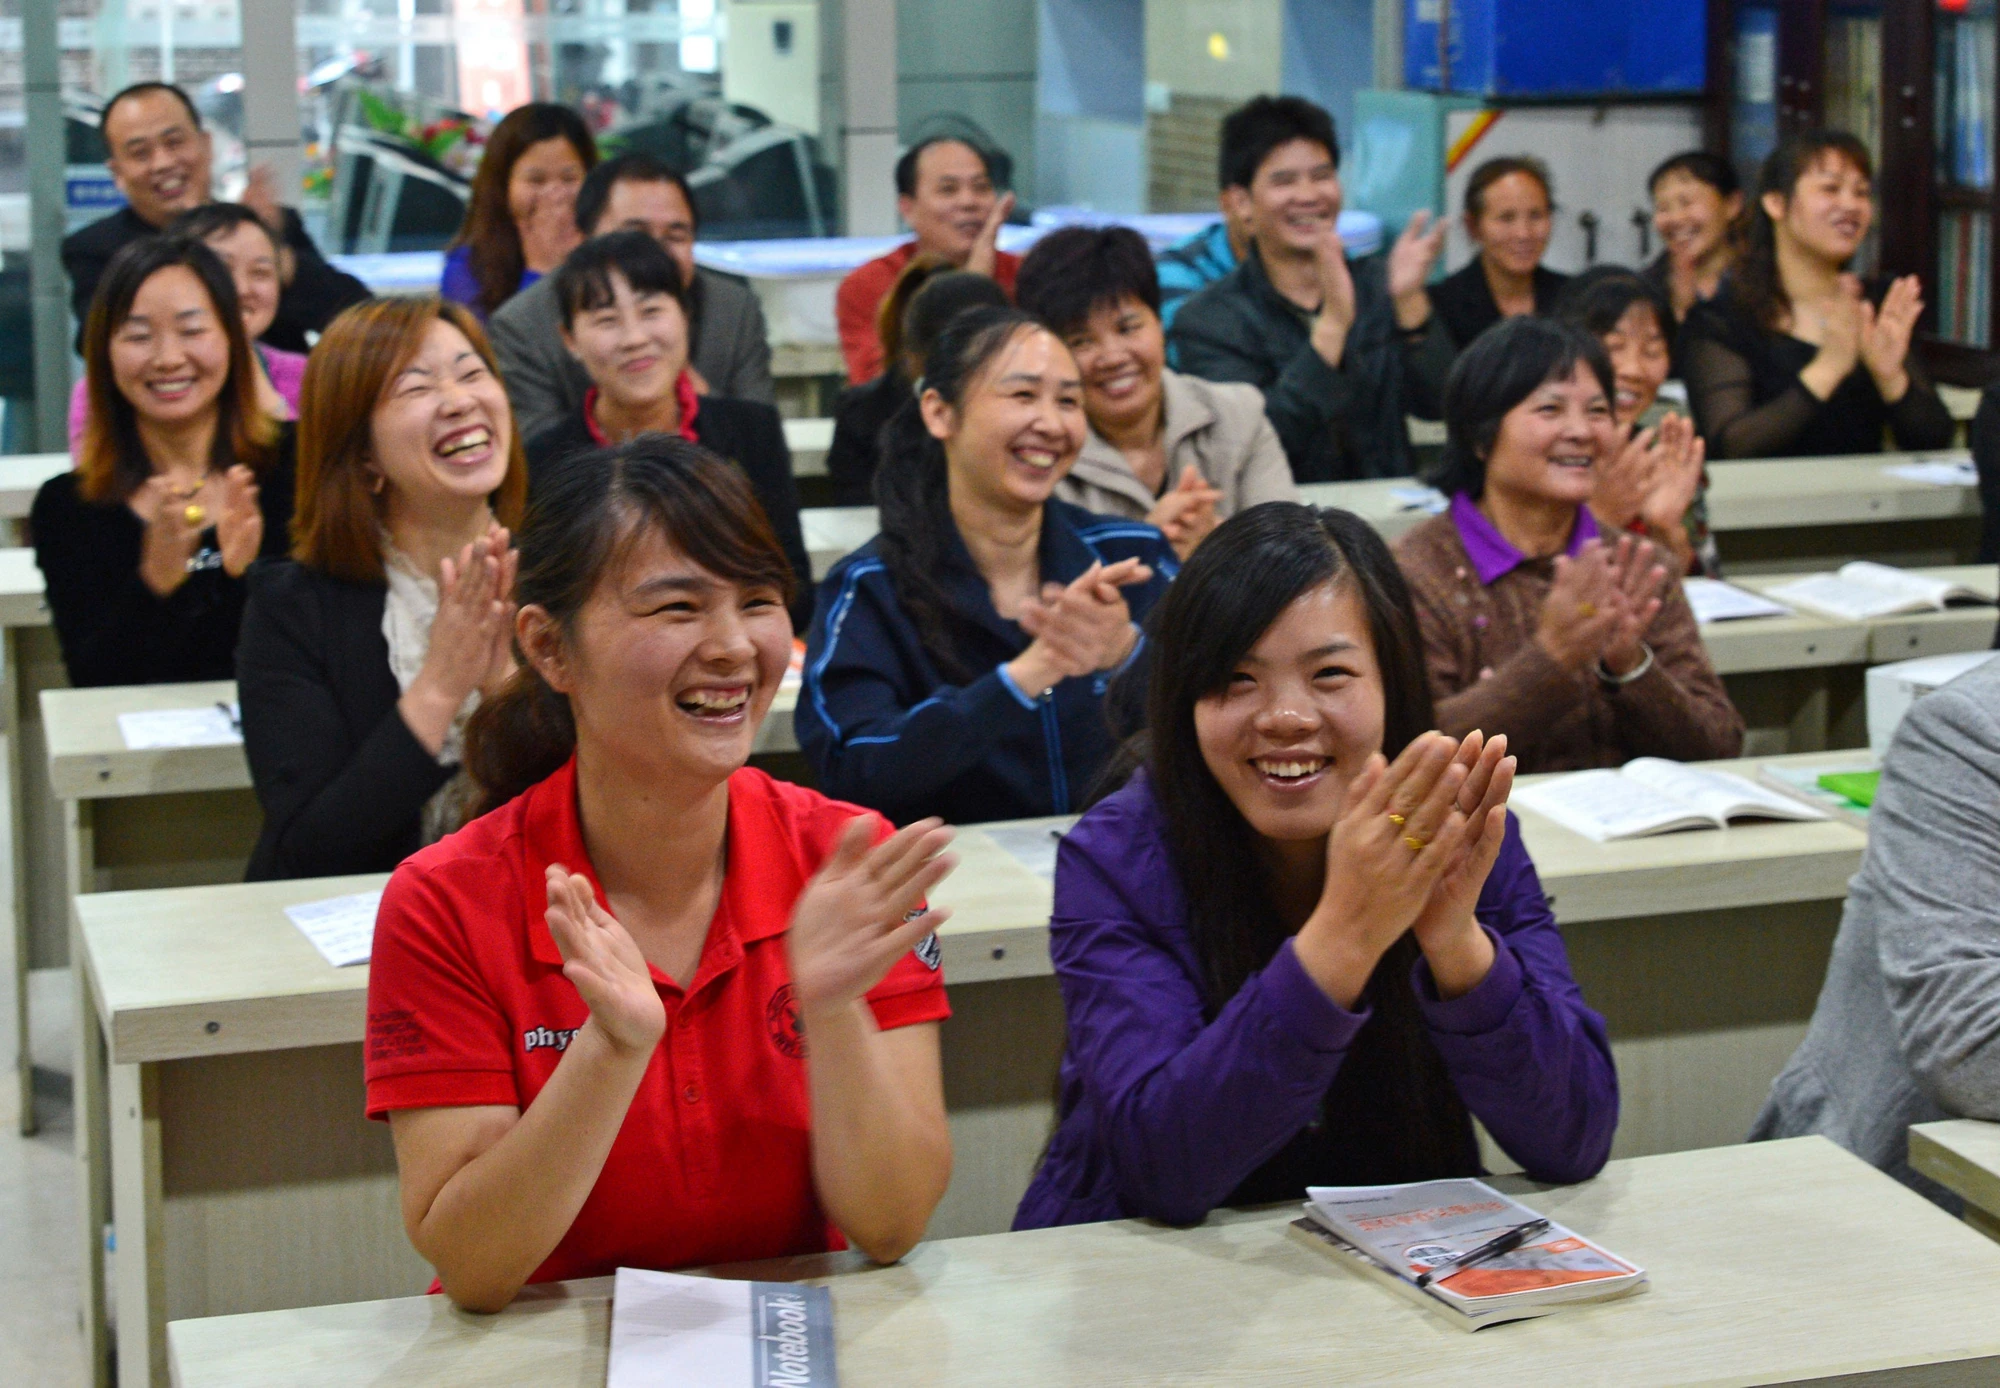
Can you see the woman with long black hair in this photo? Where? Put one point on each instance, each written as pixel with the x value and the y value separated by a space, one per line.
pixel 1795 357
pixel 959 661
pixel 1304 943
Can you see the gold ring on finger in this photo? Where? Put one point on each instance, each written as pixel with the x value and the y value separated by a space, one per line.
pixel 1587 609
pixel 1413 843
pixel 1398 820
pixel 194 515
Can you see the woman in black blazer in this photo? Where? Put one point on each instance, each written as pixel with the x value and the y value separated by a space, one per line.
pixel 625 320
pixel 181 479
pixel 364 653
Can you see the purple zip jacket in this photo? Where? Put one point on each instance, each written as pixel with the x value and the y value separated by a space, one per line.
pixel 1163 1114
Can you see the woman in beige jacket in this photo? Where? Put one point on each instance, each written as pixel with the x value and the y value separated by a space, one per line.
pixel 1176 451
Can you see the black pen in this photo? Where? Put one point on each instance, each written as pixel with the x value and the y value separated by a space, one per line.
pixel 1492 1248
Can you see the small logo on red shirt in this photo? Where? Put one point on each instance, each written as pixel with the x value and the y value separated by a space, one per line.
pixel 547 1038
pixel 781 1015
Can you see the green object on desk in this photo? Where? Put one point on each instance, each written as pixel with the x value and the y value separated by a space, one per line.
pixel 1858 786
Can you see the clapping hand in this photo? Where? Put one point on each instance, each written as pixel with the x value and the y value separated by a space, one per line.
pixel 471 646
pixel 239 528
pixel 1410 261
pixel 1337 304
pixel 1446 918
pixel 864 910
pixel 1186 514
pixel 1884 345
pixel 605 965
pixel 985 257
pixel 170 537
pixel 1078 629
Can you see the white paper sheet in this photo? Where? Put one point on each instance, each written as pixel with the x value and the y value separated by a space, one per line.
pixel 1716 601
pixel 1418 499
pixel 212 726
pixel 1033 846
pixel 1939 472
pixel 342 928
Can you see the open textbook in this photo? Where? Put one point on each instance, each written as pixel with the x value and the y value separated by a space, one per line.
pixel 1399 1232
pixel 1650 795
pixel 1716 601
pixel 1861 590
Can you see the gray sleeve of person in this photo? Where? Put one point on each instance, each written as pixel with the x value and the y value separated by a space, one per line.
pixel 1933 877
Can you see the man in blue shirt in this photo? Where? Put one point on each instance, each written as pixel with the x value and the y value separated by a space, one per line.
pixel 1197 261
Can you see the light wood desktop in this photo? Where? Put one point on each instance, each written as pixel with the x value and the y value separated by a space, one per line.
pixel 21 476
pixel 1963 1156
pixel 808 441
pixel 1779 514
pixel 219 1095
pixel 1754 1256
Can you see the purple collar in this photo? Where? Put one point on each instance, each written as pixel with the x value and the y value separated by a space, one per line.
pixel 1492 557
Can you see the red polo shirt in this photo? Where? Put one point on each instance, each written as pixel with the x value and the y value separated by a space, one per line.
pixel 861 294
pixel 467 1004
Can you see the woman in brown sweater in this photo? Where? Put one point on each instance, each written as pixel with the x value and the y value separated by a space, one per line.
pixel 1576 647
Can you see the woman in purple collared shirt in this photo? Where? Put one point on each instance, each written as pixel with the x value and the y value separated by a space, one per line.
pixel 1285 960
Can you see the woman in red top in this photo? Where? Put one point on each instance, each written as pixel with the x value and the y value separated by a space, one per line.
pixel 589 1010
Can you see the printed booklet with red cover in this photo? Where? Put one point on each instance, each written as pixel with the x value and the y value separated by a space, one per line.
pixel 1401 1231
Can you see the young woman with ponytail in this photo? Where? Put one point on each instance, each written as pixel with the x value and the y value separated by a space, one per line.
pixel 1304 943
pixel 959 661
pixel 589 1010
pixel 1794 357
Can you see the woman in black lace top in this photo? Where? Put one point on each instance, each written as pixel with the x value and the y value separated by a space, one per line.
pixel 1794 358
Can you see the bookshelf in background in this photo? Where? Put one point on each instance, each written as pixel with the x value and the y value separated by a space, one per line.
pixel 1915 80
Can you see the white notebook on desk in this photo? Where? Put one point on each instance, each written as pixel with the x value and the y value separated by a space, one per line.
pixel 1650 795
pixel 1861 590
pixel 1716 601
pixel 670 1330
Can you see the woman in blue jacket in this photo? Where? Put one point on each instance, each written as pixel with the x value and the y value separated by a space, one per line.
pixel 958 662
pixel 1304 945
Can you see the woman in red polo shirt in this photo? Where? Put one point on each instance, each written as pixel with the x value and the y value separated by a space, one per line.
pixel 589 1010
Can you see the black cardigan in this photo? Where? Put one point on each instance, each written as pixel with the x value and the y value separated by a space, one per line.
pixel 113 628
pixel 340 776
pixel 859 417
pixel 1464 300
pixel 746 432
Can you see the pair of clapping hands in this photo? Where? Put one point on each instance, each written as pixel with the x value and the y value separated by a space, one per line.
pixel 1078 628
pixel 1410 851
pixel 1601 603
pixel 1652 479
pixel 175 523
pixel 472 636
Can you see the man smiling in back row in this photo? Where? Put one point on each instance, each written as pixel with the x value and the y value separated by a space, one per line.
pixel 1342 351
pixel 162 161
pixel 945 195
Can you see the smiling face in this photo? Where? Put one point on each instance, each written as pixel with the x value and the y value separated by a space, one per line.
pixel 253 263
pixel 1301 714
pixel 657 208
pixel 954 198
pixel 634 347
pixel 1017 428
pixel 170 357
pixel 1295 196
pixel 1548 446
pixel 1829 211
pixel 1513 224
pixel 1121 351
pixel 1693 219
pixel 547 169
pixel 442 432
pixel 668 666
pixel 157 157
pixel 1637 346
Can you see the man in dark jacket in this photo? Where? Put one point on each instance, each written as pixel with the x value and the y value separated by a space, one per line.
pixel 1341 349
pixel 729 351
pixel 161 158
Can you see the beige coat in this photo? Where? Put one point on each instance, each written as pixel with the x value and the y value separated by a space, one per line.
pixel 1217 429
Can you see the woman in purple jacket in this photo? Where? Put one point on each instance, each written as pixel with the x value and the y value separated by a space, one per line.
pixel 1284 959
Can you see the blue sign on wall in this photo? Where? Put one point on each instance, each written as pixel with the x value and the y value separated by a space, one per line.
pixel 1555 48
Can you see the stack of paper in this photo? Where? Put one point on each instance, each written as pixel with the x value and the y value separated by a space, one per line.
pixel 217 725
pixel 1716 601
pixel 342 928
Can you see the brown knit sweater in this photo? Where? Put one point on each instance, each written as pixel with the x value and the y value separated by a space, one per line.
pixel 1487 671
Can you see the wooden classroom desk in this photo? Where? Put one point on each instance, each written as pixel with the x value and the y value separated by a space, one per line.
pixel 1723 1235
pixel 1963 1156
pixel 808 441
pixel 29 662
pixel 21 476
